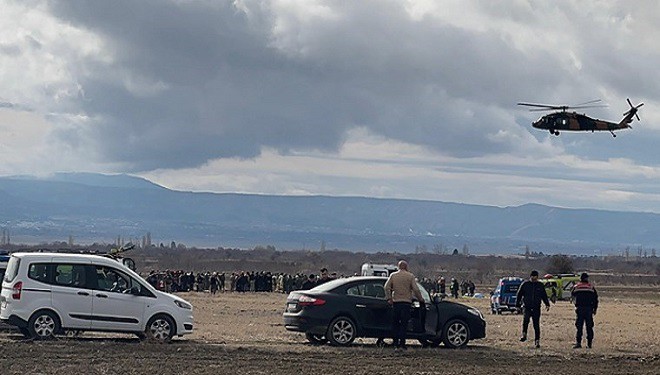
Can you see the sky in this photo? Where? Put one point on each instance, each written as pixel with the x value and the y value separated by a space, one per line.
pixel 408 99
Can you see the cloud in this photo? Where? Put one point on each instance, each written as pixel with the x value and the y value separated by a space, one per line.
pixel 178 83
pixel 412 87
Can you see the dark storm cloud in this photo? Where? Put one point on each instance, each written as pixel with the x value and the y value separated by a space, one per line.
pixel 217 80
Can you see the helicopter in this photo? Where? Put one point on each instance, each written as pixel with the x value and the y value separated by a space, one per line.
pixel 573 121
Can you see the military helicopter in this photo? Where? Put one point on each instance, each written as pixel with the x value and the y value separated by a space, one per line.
pixel 572 121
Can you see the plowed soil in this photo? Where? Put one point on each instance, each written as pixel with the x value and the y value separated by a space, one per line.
pixel 243 334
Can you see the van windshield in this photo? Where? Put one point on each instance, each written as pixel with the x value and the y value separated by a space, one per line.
pixel 12 269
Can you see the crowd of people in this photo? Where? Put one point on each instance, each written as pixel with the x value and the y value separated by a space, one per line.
pixel 466 287
pixel 214 282
pixel 277 282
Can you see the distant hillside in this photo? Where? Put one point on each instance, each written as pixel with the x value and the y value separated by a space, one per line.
pixel 97 208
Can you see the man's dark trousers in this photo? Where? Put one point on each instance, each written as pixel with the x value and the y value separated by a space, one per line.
pixel 401 316
pixel 535 314
pixel 584 316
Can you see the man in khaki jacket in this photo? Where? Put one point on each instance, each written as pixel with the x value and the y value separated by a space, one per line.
pixel 399 291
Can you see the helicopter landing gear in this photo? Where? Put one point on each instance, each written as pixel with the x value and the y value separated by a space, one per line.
pixel 613 135
pixel 554 132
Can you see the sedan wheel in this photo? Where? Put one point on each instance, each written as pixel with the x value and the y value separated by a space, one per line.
pixel 456 334
pixel 342 331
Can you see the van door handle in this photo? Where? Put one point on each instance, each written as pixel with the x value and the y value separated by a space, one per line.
pixel 102 295
pixel 362 306
pixel 83 293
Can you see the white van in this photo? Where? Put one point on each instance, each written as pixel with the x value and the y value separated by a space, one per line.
pixel 370 269
pixel 44 294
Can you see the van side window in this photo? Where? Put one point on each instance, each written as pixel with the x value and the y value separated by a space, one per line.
pixel 40 272
pixel 111 280
pixel 70 275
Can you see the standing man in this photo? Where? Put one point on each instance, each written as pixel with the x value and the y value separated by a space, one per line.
pixel 530 294
pixel 399 291
pixel 586 303
pixel 453 288
pixel 310 283
pixel 324 277
pixel 442 287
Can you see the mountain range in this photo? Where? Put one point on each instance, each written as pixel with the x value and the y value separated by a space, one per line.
pixel 99 208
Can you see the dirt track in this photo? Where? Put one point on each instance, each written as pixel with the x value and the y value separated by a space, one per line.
pixel 243 334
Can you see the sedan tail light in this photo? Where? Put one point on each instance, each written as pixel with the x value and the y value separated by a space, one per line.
pixel 16 290
pixel 310 301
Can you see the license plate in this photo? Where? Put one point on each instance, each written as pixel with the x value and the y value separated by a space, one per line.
pixel 3 304
pixel 291 306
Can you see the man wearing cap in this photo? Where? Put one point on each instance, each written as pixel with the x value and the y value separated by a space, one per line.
pixel 530 295
pixel 586 303
pixel 399 291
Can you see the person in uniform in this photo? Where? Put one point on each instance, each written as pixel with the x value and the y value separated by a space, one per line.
pixel 585 298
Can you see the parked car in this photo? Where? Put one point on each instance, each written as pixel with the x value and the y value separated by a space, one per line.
pixel 503 298
pixel 45 294
pixel 341 310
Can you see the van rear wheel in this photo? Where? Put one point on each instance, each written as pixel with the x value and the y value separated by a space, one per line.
pixel 43 325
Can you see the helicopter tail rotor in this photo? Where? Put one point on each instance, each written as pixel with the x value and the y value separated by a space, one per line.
pixel 633 110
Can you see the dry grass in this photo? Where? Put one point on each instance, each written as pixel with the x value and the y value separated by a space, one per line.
pixel 243 334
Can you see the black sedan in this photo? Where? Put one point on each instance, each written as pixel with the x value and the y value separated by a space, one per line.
pixel 341 310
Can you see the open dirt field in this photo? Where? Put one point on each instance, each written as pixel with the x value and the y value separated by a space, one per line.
pixel 243 334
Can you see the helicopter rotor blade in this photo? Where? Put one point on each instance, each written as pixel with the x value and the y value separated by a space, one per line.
pixel 547 106
pixel 588 106
pixel 589 102
pixel 552 107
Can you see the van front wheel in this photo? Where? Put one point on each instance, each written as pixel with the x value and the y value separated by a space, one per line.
pixel 42 325
pixel 160 328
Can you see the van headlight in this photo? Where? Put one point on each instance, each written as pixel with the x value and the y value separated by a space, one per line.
pixel 183 305
pixel 476 312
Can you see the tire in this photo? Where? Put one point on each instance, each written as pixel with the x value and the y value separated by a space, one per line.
pixel 315 339
pixel 341 331
pixel 43 325
pixel 456 334
pixel 160 328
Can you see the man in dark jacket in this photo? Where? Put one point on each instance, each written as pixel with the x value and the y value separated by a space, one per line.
pixel 530 295
pixel 586 303
pixel 310 283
